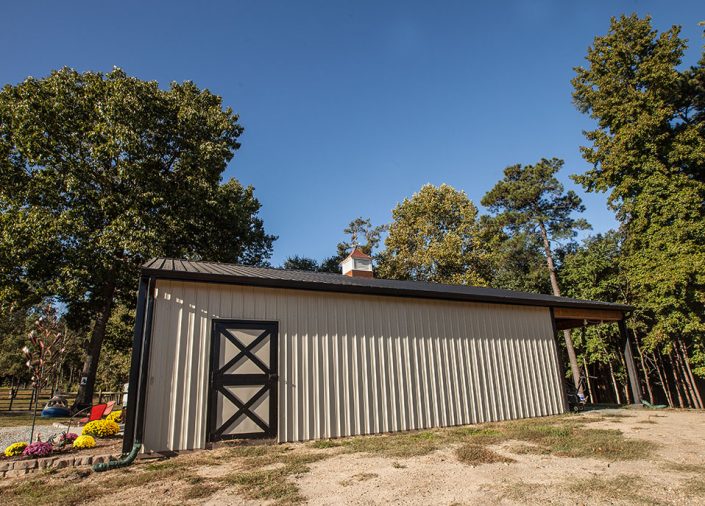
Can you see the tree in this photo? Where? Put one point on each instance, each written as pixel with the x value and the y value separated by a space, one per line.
pixel 43 353
pixel 301 263
pixel 14 328
pixel 531 200
pixel 648 152
pixel 362 233
pixel 98 173
pixel 433 237
pixel 515 261
pixel 593 272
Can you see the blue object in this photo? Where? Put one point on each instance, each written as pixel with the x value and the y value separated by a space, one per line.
pixel 55 412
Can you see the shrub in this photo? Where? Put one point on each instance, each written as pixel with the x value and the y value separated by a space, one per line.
pixel 84 442
pixel 15 449
pixel 115 416
pixel 100 428
pixel 67 438
pixel 38 449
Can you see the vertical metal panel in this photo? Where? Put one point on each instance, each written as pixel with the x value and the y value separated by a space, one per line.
pixel 354 364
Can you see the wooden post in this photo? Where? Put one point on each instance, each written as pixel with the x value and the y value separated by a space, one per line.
pixel 629 360
pixel 13 392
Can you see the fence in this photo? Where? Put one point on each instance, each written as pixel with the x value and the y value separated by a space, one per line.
pixel 22 399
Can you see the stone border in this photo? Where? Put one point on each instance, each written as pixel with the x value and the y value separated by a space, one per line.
pixel 14 468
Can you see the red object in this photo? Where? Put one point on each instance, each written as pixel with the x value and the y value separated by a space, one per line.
pixel 109 408
pixel 96 413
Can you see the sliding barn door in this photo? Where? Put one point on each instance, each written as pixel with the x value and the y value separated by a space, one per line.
pixel 243 380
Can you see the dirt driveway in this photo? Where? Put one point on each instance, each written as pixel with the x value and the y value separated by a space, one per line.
pixel 625 456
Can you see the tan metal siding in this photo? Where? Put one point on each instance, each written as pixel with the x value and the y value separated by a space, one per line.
pixel 355 364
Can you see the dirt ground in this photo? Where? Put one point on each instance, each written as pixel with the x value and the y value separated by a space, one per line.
pixel 438 478
pixel 616 456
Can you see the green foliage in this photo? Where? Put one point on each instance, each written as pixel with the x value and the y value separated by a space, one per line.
pixel 359 229
pixel 515 261
pixel 362 234
pixel 301 263
pixel 434 237
pixel 99 172
pixel 592 272
pixel 15 323
pixel 648 152
pixel 531 199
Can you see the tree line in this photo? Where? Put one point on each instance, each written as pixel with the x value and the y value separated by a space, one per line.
pixel 99 172
pixel 647 153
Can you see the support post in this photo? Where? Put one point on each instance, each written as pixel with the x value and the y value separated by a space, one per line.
pixel 136 361
pixel 629 361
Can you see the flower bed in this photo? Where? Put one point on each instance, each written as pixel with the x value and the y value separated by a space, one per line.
pixel 100 428
pixel 96 438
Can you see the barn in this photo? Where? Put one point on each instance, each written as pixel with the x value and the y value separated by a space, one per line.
pixel 225 351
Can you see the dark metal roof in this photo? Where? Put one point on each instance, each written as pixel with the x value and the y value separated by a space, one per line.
pixel 213 272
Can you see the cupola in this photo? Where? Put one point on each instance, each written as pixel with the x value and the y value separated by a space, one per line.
pixel 358 264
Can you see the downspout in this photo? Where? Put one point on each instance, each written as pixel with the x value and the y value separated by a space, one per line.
pixel 139 369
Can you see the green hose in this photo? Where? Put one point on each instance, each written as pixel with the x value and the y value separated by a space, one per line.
pixel 124 461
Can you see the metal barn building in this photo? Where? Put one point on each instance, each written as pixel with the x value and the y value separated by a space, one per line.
pixel 224 351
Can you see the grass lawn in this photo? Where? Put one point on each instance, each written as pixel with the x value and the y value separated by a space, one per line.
pixel 19 419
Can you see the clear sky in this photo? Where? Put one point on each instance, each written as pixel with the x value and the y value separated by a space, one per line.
pixel 350 106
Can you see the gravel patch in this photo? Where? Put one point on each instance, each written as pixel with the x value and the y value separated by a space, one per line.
pixel 9 435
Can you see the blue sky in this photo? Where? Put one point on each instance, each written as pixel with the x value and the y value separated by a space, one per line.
pixel 350 106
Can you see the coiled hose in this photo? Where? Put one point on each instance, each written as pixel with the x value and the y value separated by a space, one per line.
pixel 124 461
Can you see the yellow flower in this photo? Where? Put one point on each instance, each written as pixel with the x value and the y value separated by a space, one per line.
pixel 84 442
pixel 115 416
pixel 15 449
pixel 101 428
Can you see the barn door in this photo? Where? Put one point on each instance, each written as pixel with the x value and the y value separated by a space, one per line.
pixel 243 381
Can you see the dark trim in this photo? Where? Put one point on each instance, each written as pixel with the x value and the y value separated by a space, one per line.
pixel 129 434
pixel 218 378
pixel 144 364
pixel 561 371
pixel 431 293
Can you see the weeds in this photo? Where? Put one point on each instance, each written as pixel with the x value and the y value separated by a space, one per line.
pixel 622 488
pixel 474 455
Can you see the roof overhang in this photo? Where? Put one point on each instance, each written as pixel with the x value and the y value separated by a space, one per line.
pixel 570 318
pixel 210 272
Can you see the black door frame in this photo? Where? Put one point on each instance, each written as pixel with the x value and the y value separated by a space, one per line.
pixel 267 379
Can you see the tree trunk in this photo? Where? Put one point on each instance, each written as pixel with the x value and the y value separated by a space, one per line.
pixel 627 395
pixel 587 380
pixel 676 382
pixel 689 395
pixel 84 398
pixel 614 383
pixel 689 373
pixel 644 368
pixel 572 358
pixel 664 381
